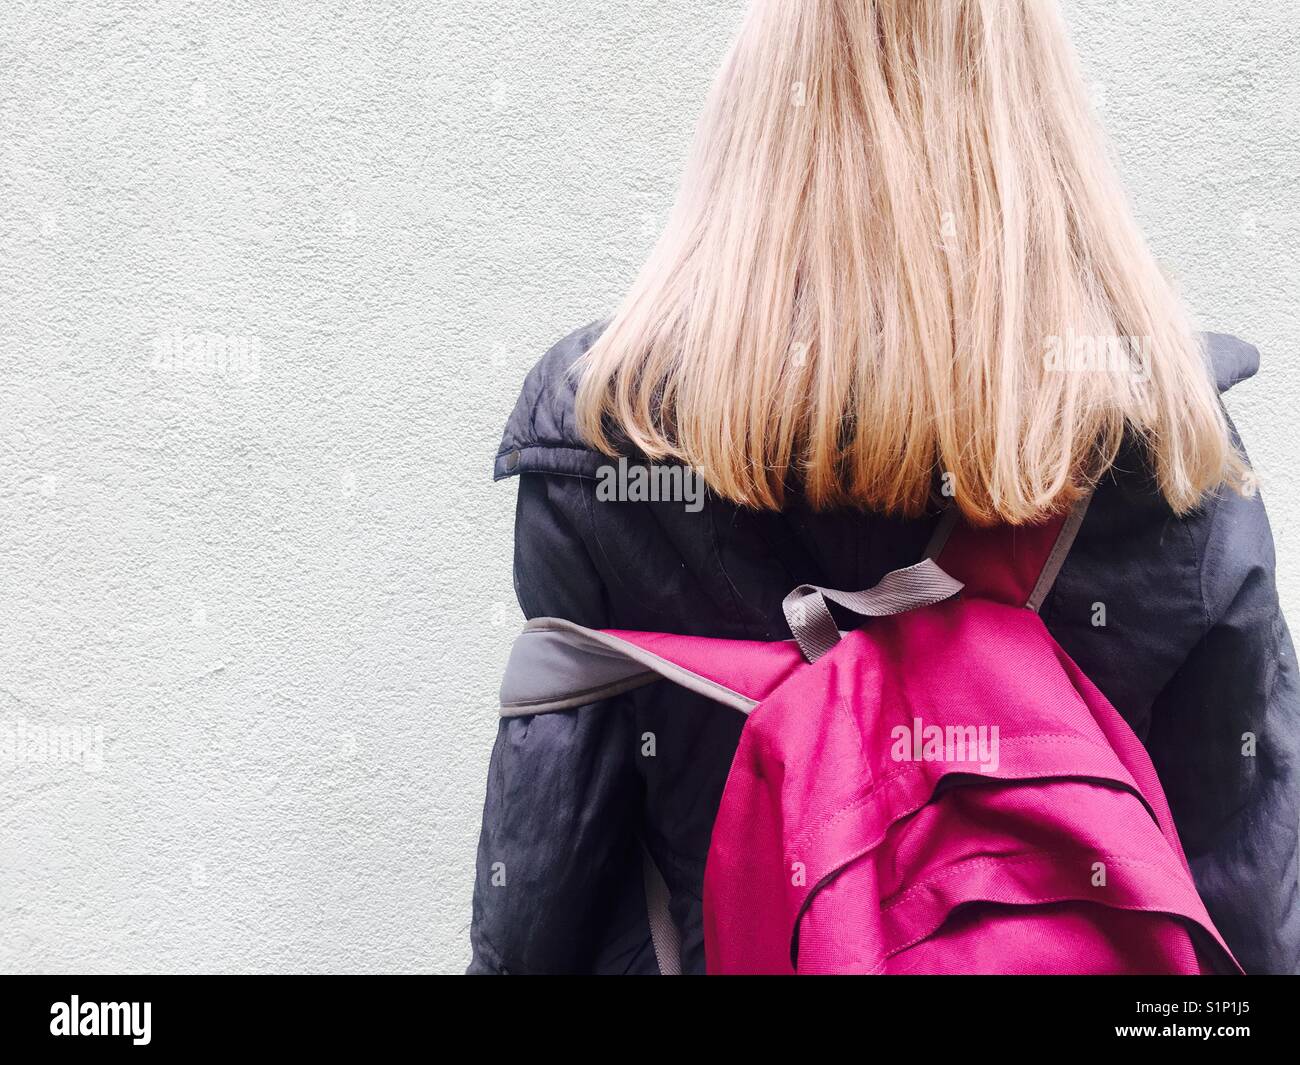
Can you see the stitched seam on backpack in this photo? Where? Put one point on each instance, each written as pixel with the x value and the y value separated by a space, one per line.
pixel 1035 856
pixel 911 767
pixel 1037 902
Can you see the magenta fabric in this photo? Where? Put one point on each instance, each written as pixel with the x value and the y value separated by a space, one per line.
pixel 1001 562
pixel 749 667
pixel 847 843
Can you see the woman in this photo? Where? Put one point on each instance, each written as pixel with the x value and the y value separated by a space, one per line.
pixel 900 274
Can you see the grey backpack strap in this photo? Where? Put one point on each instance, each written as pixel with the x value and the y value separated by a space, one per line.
pixel 904 589
pixel 1069 530
pixel 664 933
pixel 557 665
pixel 1001 540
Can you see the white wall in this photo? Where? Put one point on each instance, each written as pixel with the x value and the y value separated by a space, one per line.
pixel 254 585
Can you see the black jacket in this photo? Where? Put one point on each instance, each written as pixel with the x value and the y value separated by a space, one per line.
pixel 1194 653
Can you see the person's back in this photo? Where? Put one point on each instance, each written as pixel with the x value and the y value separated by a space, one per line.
pixel 844 340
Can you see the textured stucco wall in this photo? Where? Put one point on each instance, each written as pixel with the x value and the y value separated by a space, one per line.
pixel 250 586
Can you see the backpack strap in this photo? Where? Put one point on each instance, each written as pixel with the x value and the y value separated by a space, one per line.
pixel 556 665
pixel 1016 565
pixel 1012 564
pixel 665 936
pixel 815 630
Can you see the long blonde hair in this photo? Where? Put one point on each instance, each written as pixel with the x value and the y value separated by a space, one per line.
pixel 901 259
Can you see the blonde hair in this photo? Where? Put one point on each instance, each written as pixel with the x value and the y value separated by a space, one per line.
pixel 894 212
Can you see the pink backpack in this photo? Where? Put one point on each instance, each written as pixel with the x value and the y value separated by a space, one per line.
pixel 939 791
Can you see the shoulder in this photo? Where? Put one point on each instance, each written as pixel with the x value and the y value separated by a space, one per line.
pixel 1232 360
pixel 1231 528
pixel 541 433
